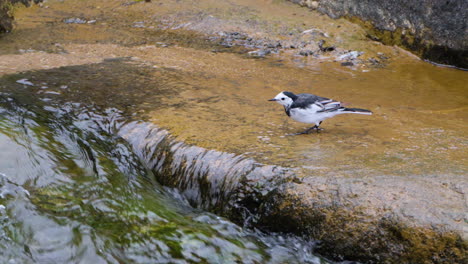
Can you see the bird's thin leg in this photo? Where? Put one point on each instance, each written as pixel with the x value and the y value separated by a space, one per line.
pixel 318 128
pixel 307 131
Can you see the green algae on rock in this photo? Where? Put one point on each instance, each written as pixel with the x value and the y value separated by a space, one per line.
pixel 7 10
pixel 347 232
pixel 6 17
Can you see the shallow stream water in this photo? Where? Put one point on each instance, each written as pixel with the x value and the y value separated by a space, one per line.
pixel 73 191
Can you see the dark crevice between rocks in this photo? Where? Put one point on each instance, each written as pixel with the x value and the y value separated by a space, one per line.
pixel 445 56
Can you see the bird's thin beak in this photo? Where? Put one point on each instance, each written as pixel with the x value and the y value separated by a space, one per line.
pixel 273 100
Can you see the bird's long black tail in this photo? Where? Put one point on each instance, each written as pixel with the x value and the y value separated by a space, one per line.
pixel 357 111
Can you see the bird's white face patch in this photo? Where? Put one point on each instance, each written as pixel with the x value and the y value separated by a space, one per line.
pixel 283 99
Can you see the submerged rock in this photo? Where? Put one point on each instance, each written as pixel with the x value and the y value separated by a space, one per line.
pixel 25 82
pixel 77 20
pixel 347 63
pixel 350 55
pixel 259 53
pixel 74 21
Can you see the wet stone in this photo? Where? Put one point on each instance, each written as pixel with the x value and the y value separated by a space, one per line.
pixel 350 55
pixel 347 63
pixel 260 53
pixel 306 53
pixel 75 20
pixel 323 48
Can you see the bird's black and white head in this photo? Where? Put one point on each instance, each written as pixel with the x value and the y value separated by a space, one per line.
pixel 284 98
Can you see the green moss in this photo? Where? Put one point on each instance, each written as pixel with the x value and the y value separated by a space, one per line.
pixel 6 16
pixel 7 10
pixel 347 232
pixel 425 245
pixel 399 37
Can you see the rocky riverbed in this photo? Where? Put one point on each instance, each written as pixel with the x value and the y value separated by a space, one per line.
pixel 390 187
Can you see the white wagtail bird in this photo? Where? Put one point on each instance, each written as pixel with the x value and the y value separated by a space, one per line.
pixel 313 109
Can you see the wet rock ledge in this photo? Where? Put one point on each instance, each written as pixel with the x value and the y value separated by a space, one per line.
pixel 274 198
pixel 434 30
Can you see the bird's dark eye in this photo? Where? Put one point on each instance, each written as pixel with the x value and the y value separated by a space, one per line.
pixel 283 98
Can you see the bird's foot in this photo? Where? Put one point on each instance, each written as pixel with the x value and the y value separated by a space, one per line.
pixel 307 131
pixel 299 133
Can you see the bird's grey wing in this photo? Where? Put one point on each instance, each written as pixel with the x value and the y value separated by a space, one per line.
pixel 328 105
pixel 322 104
pixel 305 100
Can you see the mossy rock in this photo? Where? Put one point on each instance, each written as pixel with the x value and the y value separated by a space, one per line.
pixel 6 16
pixel 349 234
pixel 7 10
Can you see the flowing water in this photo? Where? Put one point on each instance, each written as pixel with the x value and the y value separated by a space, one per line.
pixel 73 191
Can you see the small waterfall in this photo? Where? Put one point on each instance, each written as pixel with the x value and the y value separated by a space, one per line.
pixel 220 182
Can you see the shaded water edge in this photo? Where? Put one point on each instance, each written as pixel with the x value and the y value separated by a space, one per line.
pixel 439 55
pixel 249 193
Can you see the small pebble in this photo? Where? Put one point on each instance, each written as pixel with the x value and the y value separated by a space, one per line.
pixel 306 53
pixel 260 53
pixel 347 63
pixel 75 20
pixel 25 82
